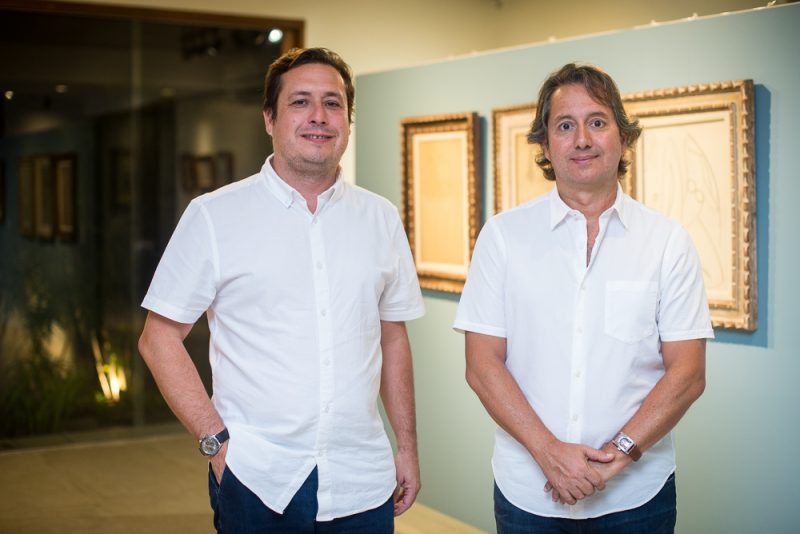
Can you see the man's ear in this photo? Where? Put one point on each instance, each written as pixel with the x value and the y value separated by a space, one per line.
pixel 268 121
pixel 546 151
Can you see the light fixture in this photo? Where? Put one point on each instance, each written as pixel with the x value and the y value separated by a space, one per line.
pixel 275 35
pixel 9 95
pixel 61 88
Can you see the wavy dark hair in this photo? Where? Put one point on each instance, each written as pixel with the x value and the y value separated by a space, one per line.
pixel 303 56
pixel 602 89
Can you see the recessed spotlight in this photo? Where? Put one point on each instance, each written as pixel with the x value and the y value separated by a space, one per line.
pixel 9 95
pixel 275 35
pixel 61 88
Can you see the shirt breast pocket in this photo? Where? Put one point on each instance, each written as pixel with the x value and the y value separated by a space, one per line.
pixel 630 310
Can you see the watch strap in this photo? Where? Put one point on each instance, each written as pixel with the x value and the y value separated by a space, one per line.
pixel 216 442
pixel 223 435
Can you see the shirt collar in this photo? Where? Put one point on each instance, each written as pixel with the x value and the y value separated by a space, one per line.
pixel 559 209
pixel 287 194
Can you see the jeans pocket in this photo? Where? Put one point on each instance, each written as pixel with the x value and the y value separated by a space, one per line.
pixel 630 310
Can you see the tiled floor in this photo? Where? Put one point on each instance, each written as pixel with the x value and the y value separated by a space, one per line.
pixel 132 485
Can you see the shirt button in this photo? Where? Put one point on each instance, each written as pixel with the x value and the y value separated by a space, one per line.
pixel 579 330
pixel 324 313
pixel 326 408
pixel 575 417
pixel 326 362
pixel 319 265
pixel 577 374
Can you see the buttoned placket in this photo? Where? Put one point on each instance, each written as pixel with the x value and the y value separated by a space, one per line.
pixel 577 379
pixel 580 348
pixel 325 337
pixel 577 390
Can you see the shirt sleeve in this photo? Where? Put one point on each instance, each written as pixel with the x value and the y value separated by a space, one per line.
pixel 683 305
pixel 482 305
pixel 401 299
pixel 183 285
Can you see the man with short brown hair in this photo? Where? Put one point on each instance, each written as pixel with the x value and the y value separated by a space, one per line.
pixel 306 281
pixel 586 321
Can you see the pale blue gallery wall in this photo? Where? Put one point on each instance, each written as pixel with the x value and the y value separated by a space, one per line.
pixel 737 447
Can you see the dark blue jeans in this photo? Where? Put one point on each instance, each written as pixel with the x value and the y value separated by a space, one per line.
pixel 237 510
pixel 657 516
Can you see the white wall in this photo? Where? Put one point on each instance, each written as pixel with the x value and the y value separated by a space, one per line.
pixel 380 34
pixel 376 35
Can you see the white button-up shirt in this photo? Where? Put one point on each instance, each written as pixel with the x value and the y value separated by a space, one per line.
pixel 294 302
pixel 584 342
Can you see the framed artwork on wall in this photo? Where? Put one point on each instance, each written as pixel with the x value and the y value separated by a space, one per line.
pixel 187 172
pixel 441 195
pixel 223 168
pixel 121 177
pixel 2 191
pixel 66 196
pixel 517 177
pixel 695 162
pixel 25 204
pixel 44 197
pixel 204 173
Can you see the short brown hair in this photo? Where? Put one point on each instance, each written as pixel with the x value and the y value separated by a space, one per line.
pixel 303 56
pixel 602 89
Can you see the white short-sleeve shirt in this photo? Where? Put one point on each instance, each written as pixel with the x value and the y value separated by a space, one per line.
pixel 294 302
pixel 584 343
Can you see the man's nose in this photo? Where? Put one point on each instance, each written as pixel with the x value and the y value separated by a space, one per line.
pixel 583 138
pixel 318 114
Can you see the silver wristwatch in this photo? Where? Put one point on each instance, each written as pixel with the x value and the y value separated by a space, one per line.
pixel 210 444
pixel 626 445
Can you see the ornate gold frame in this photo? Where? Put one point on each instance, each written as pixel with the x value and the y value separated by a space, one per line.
pixel 441 195
pixel 695 161
pixel 517 178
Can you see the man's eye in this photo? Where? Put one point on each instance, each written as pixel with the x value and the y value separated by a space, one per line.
pixel 564 126
pixel 298 102
pixel 333 104
pixel 598 123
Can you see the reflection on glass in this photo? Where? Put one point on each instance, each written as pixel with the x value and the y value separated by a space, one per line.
pixel 108 128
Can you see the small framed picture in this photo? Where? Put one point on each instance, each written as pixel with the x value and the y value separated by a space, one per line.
pixel 66 196
pixel 25 205
pixel 441 195
pixel 44 197
pixel 204 173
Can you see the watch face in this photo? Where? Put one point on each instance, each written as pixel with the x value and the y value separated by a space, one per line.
pixel 209 446
pixel 625 442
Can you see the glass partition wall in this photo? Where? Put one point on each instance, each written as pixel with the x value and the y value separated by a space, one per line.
pixel 110 123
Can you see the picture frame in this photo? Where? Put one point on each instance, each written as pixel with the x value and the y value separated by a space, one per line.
pixel 204 173
pixel 44 197
pixel 441 195
pixel 187 172
pixel 223 168
pixel 695 162
pixel 2 191
pixel 26 218
pixel 65 168
pixel 517 177
pixel 121 178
